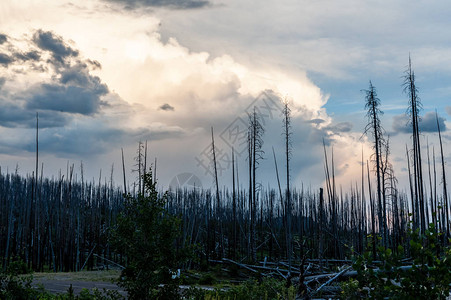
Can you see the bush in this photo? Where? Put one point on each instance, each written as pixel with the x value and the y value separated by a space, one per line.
pixel 17 267
pixel 268 288
pixel 146 235
pixel 428 277
pixel 207 279
pixel 194 293
pixel 14 287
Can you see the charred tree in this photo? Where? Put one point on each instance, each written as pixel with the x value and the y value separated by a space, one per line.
pixel 414 117
pixel 374 127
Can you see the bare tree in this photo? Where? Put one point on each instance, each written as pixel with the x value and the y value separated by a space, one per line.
pixel 255 140
pixel 287 139
pixel 414 117
pixel 375 128
pixel 445 192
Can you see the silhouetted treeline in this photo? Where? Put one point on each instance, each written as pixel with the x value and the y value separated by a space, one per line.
pixel 65 228
pixel 323 225
pixel 59 224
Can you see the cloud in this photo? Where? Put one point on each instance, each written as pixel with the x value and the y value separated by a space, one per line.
pixel 316 121
pixel 448 110
pixel 71 99
pixel 63 84
pixel 13 55
pixel 82 140
pixel 207 88
pixel 46 40
pixel 428 123
pixel 14 116
pixel 79 75
pixel 96 136
pixel 78 114
pixel 166 107
pixel 340 127
pixel 3 38
pixel 31 55
pixel 5 60
pixel 174 4
pixel 400 124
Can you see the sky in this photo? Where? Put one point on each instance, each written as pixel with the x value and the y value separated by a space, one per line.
pixel 103 75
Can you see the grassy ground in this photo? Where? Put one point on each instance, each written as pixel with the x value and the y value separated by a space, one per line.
pixel 103 276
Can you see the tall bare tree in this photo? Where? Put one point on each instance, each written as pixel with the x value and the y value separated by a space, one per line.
pixel 413 112
pixel 445 192
pixel 287 139
pixel 374 127
pixel 255 139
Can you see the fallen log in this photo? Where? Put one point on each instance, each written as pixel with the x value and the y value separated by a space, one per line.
pixel 329 281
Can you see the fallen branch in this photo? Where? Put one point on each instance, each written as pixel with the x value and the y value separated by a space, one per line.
pixel 110 261
pixel 241 265
pixel 330 280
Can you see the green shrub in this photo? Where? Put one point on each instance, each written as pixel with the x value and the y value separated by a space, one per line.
pixel 267 289
pixel 17 267
pixel 194 293
pixel 428 276
pixel 207 279
pixel 146 235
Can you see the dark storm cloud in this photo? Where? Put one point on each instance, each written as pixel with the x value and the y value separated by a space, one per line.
pixel 49 41
pixel 71 99
pixel 79 75
pixel 16 56
pixel 3 38
pixel 50 119
pixel 175 4
pixel 5 60
pixel 166 107
pixel 31 55
pixel 15 115
pixel 77 92
pixel 74 106
pixel 428 123
pixel 72 90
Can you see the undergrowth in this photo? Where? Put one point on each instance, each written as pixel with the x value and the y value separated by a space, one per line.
pixel 427 276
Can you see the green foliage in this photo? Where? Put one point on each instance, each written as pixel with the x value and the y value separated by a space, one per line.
pixel 427 277
pixel 96 294
pixel 146 234
pixel 267 289
pixel 14 287
pixel 207 279
pixel 17 267
pixel 194 293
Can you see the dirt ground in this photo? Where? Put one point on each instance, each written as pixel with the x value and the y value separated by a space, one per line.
pixel 59 283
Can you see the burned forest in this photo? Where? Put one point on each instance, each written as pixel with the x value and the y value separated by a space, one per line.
pixel 320 241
